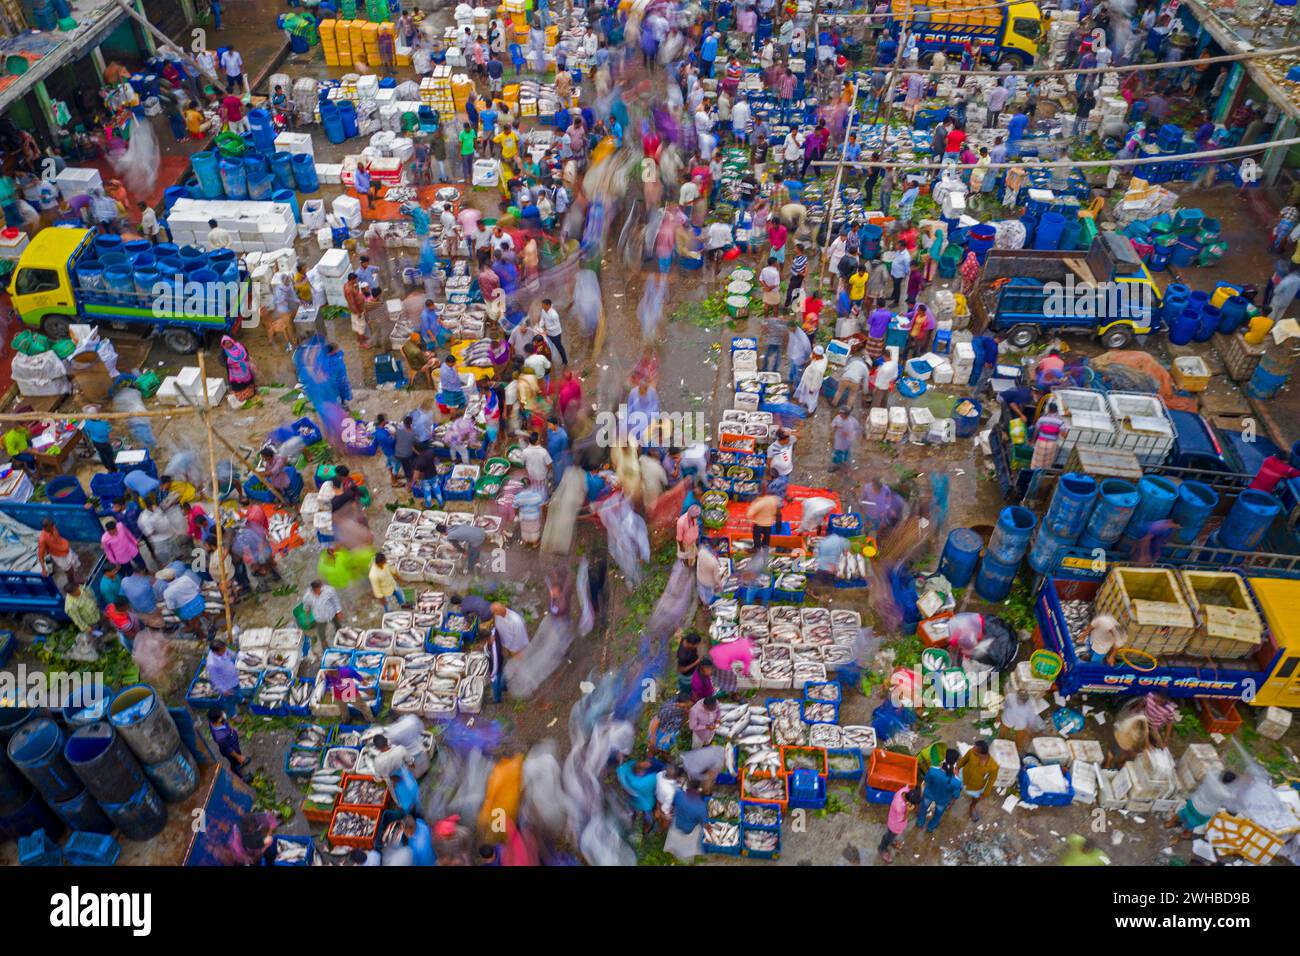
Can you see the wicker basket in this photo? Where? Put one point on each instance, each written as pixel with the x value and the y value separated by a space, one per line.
pixel 1149 604
pixel 1239 357
pixel 1230 627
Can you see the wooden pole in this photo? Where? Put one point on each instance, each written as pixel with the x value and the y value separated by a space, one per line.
pixel 97 416
pixel 206 412
pixel 254 469
pixel 835 193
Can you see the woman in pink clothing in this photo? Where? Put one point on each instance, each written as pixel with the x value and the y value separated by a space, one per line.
pixel 120 545
pixel 902 804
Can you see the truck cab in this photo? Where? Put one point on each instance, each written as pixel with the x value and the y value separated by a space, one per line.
pixel 1009 35
pixel 49 293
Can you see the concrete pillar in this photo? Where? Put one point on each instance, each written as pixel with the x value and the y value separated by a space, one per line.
pixel 1271 165
pixel 150 46
pixel 47 108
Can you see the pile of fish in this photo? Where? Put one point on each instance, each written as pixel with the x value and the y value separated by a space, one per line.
pixel 312 736
pixel 340 758
pixel 830 736
pixel 757 815
pixel 1078 615
pixel 724 808
pixel 765 788
pixel 845 522
pixel 352 825
pixel 478 354
pixel 301 760
pixel 214 605
pixel 281 527
pixel 325 786
pixel 440 685
pixel 718 833
pixel 289 852
pixel 860 737
pixel 827 692
pixel 793 645
pixel 762 841
pixel 819 712
pixel 851 567
pixel 363 792
pixel 357 434
pixel 266 651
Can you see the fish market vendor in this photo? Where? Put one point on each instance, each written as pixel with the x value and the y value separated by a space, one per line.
pixel 183 595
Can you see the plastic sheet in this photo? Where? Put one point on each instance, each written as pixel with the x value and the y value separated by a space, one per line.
pixel 138 164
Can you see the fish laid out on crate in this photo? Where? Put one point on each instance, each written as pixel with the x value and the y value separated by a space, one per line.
pixel 312 736
pixel 325 786
pixel 724 808
pixel 722 834
pixel 762 841
pixel 349 824
pixel 362 792
pixel 289 852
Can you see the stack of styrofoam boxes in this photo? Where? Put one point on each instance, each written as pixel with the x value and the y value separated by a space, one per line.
pixel 1085 751
pixel 1110 111
pixel 1058 34
pixel 348 209
pixel 186 388
pixel 458 290
pixel 1004 754
pixel 1083 778
pixel 897 430
pixel 253 226
pixel 440 91
pixel 1153 780
pixel 1023 680
pixel 1273 723
pixel 295 143
pixel 1051 750
pixel 920 419
pixel 1197 762
pixel 877 424
pixel 963 362
pixel 1113 788
pixel 76 181
pixel 333 268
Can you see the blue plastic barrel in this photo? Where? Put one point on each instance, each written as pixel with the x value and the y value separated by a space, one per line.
pixel 1208 324
pixel 141 816
pixel 173 193
pixel 144 260
pixel 333 123
pixel 1264 384
pixel 1010 538
pixel 36 749
pixel 348 116
pixel 134 247
pixel 1198 299
pixel 1185 327
pixel 282 169
pixel 1046 550
pixel 961 552
pixel 1196 502
pixel 174 778
pixel 90 276
pixel 103 762
pixel 994 579
pixel 221 259
pixel 1248 519
pixel 65 490
pixel 145 280
pixel 262 128
pixel 1172 307
pixel 1116 501
pixel 115 257
pixel 165 249
pixel 192 258
pixel 260 184
pixel 969 424
pixel 304 173
pixel 1071 506
pixel 119 281
pixel 1232 314
pixel 1048 233
pixel 1157 501
pixel 32 815
pixel 980 240
pixel 107 243
pixel 207 278
pixel 290 199
pixel 207 172
pixel 83 813
pixel 234 181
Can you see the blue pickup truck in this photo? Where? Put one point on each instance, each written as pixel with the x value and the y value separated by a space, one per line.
pixel 33 597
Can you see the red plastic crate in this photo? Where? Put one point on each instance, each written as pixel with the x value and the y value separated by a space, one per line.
pixel 891 771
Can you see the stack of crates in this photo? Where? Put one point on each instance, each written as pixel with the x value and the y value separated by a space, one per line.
pixel 1142 426
pixel 1086 417
pixel 1149 605
pixel 439 90
pixel 370 39
pixel 1153 780
pixel 1229 627
pixel 341 39
pixel 327 43
pixel 1007 758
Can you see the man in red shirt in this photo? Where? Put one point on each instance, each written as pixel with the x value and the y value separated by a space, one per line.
pixel 1272 470
pixel 956 137
pixel 232 111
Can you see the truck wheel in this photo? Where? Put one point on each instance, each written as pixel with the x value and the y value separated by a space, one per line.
pixel 56 326
pixel 42 624
pixel 1117 338
pixel 181 340
pixel 1023 336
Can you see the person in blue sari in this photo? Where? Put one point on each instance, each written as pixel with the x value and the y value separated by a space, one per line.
pixel 642 408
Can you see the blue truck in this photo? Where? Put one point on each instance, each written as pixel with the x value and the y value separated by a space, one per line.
pixel 33 597
pixel 1106 292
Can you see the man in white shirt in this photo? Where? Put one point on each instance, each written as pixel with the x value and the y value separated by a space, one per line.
pixel 149 222
pixel 326 609
pixel 552 329
pixel 740 119
pixel 780 460
pixel 511 631
pixel 538 364
pixel 448 220
pixel 689 192
pixel 899 270
pixel 537 464
pixel 390 759
pixel 792 149
pixel 233 64
pixel 218 238
pixel 886 373
pixel 852 379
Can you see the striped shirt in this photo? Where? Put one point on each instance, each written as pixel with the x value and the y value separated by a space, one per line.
pixel 800 266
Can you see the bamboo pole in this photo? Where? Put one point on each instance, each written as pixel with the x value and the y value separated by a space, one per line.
pixel 97 416
pixel 835 192
pixel 254 469
pixel 216 500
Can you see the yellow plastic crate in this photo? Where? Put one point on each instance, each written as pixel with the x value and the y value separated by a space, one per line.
pixel 1190 373
pixel 1149 605
pixel 1230 627
pixel 357 35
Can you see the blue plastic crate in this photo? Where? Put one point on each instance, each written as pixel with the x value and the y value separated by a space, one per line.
pixel 851 530
pixel 303 428
pixel 754 805
pixel 850 582
pixel 7 644
pixel 302 840
pixel 307 771
pixel 823 683
pixel 760 854
pixel 722 850
pixel 431 648
pixel 37 849
pixel 1047 799
pixel 878 796
pixel 788 597
pixel 91 849
pixel 342 730
pixel 833 774
pixel 108 485
pixel 807 790
pixel 199 703
pixel 748 595
pixel 467 495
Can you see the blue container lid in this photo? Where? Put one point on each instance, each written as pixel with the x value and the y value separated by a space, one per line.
pixel 35 740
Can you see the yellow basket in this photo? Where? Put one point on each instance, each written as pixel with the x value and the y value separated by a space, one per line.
pixel 1046 664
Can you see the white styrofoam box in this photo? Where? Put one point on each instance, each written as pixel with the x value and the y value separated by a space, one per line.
pixel 325 237
pixel 334 262
pixel 330 173
pixel 295 143
pixel 368 86
pixel 346 207
pixel 1197 762
pixel 403 149
pixel 1083 778
pixel 77 181
pixel 1112 788
pixel 167 393
pixel 187 377
pixel 1086 751
pixel 386 95
pixel 1004 754
pixel 1050 750
pixel 1273 723
pixel 193 395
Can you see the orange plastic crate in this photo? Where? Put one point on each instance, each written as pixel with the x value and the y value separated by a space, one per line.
pixel 348 778
pixel 891 771
pixel 746 776
pixel 1218 716
pixel 356 842
pixel 315 813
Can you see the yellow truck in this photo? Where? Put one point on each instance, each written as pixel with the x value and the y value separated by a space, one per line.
pixel 61 279
pixel 1007 34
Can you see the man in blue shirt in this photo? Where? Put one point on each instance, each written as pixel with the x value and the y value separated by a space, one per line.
pixel 137 588
pixel 100 433
pixel 708 53
pixel 110 585
pixel 405 791
pixel 368 274
pixel 852 149
pixel 488 117
pixel 386 442
pixel 434 333
pixel 417 835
